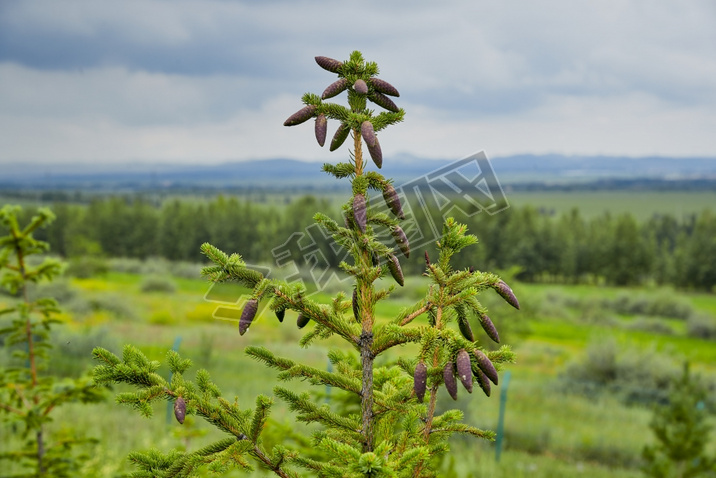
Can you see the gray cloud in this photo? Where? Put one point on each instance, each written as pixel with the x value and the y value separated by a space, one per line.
pixel 525 70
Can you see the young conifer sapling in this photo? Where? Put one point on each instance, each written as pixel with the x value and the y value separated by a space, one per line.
pixel 393 432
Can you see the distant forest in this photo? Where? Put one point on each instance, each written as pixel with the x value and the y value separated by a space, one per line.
pixel 568 248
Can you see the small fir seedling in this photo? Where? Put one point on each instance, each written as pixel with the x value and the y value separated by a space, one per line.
pixel 28 394
pixel 681 429
pixel 392 432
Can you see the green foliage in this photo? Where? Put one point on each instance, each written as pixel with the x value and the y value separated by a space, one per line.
pixel 27 396
pixel 682 431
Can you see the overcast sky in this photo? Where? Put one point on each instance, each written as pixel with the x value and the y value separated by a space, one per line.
pixel 213 81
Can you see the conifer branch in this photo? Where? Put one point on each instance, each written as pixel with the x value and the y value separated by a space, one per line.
pixel 309 412
pixel 407 316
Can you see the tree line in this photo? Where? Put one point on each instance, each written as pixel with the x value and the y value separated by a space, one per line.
pixel 569 248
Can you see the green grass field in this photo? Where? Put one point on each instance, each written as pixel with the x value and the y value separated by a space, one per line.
pixel 549 431
pixel 642 204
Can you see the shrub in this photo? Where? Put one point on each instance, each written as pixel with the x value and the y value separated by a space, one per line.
pixel 87 267
pixel 162 317
pixel 650 325
pixel 701 326
pixel 635 376
pixel 158 284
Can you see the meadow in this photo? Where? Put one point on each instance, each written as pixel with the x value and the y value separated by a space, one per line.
pixel 641 204
pixel 558 423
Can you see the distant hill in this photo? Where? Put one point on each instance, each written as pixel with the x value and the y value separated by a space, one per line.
pixel 519 171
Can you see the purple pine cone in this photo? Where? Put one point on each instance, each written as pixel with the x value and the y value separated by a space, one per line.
pixel 402 240
pixel 366 130
pixel 384 87
pixel 335 88
pixel 247 315
pixel 395 270
pixel 465 328
pixel 300 116
pixel 360 87
pixel 302 321
pixel 464 369
pixel 329 64
pixel 340 136
pixel 392 200
pixel 420 380
pixel 382 100
pixel 489 327
pixel 376 154
pixel 482 380
pixel 371 140
pixel 450 382
pixel 486 366
pixel 506 293
pixel 280 314
pixel 180 410
pixel 321 129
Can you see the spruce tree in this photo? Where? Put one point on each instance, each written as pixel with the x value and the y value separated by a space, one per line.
pixel 392 432
pixel 28 394
pixel 682 433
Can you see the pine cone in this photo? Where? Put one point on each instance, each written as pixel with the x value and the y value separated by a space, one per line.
pixel 482 380
pixel 382 100
pixel 302 321
pixel 450 382
pixel 247 315
pixel 340 136
pixel 506 293
pixel 366 130
pixel 359 211
pixel 360 87
pixel 390 195
pixel 371 140
pixel 465 328
pixel 329 64
pixel 300 116
pixel 335 88
pixel 401 240
pixel 395 270
pixel 321 128
pixel 464 369
pixel 280 314
pixel 384 87
pixel 486 366
pixel 420 380
pixel 489 327
pixel 180 410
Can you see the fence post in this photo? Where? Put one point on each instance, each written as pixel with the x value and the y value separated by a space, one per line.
pixel 501 419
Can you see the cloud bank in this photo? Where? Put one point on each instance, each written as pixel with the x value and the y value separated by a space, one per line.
pixel 212 81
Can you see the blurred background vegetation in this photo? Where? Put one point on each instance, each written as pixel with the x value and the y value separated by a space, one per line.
pixel 616 298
